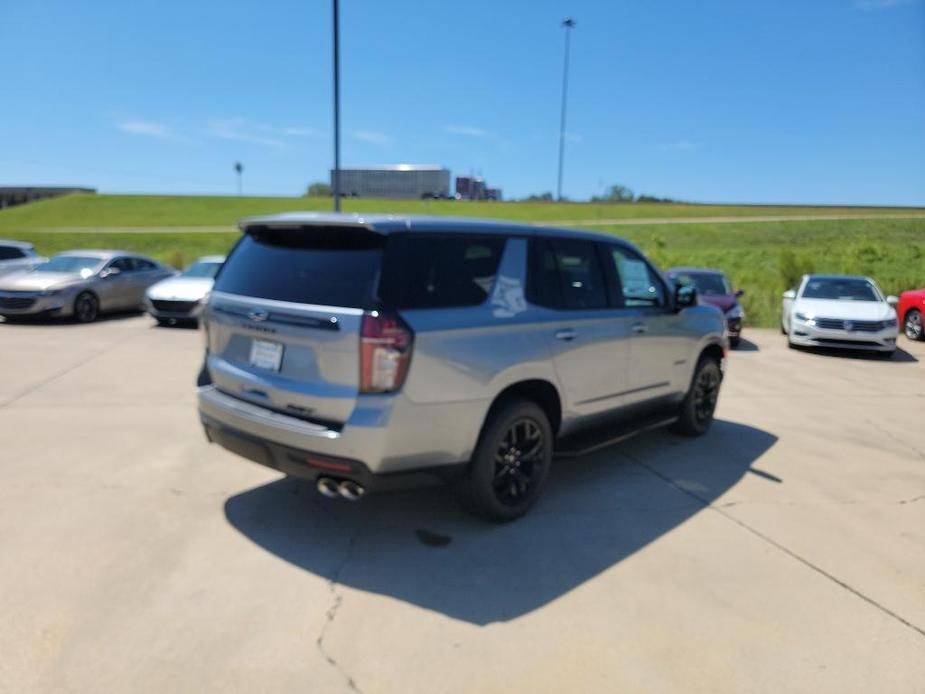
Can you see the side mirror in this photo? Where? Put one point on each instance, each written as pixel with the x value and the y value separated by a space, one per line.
pixel 790 294
pixel 109 272
pixel 685 295
pixel 892 300
pixel 740 292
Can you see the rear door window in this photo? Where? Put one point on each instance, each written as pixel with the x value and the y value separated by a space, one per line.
pixel 327 266
pixel 581 277
pixel 439 270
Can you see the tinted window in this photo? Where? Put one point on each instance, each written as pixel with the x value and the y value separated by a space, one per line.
pixel 439 271
pixel 11 253
pixel 542 276
pixel 315 265
pixel 144 265
pixel 840 289
pixel 639 284
pixel 706 283
pixel 123 264
pixel 581 279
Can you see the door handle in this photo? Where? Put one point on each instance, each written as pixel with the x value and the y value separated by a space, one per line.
pixel 640 328
pixel 568 334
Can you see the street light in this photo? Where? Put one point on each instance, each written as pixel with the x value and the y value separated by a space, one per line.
pixel 335 184
pixel 569 24
pixel 239 169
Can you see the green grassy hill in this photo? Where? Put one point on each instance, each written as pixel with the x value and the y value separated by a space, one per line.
pixel 762 256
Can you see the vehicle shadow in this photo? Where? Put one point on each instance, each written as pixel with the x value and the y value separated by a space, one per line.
pixel 745 346
pixel 53 322
pixel 900 356
pixel 421 548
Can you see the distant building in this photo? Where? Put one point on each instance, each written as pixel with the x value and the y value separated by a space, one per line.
pixel 398 181
pixel 475 188
pixel 17 195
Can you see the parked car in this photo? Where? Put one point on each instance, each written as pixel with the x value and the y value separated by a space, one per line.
pixel 375 352
pixel 839 311
pixel 910 310
pixel 714 288
pixel 17 255
pixel 179 298
pixel 80 284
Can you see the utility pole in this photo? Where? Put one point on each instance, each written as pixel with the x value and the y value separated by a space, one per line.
pixel 335 184
pixel 569 24
pixel 239 169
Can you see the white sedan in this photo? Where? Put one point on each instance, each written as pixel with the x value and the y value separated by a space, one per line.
pixel 840 311
pixel 178 299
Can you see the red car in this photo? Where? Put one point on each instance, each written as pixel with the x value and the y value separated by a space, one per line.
pixel 910 310
pixel 713 288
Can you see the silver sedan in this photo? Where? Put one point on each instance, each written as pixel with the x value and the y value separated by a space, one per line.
pixel 81 285
pixel 179 299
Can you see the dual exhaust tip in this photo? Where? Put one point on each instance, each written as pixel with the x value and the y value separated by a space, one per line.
pixel 347 489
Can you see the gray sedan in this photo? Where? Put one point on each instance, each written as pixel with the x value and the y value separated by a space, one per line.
pixel 81 285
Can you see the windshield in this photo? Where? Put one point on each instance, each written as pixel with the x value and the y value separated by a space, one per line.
pixel 840 289
pixel 73 264
pixel 707 284
pixel 202 269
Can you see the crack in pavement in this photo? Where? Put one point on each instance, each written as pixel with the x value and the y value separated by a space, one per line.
pixel 333 610
pixel 774 543
pixel 894 437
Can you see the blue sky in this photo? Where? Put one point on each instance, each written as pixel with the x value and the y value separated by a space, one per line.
pixel 736 100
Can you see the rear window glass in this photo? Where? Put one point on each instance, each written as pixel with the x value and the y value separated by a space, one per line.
pixel 332 266
pixel 439 271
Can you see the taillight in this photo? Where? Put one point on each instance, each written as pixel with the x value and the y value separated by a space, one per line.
pixel 385 352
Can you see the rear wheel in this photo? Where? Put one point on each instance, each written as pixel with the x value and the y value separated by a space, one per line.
pixel 698 406
pixel 511 462
pixel 86 308
pixel 912 326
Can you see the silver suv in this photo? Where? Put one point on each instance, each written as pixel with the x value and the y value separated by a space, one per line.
pixel 372 352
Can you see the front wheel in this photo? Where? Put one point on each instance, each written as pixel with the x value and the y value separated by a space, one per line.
pixel 511 462
pixel 86 308
pixel 912 326
pixel 698 406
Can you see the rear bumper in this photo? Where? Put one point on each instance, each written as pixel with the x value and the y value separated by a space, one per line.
pixel 310 465
pixel 384 436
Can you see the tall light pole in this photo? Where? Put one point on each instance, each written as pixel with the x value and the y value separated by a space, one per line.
pixel 239 169
pixel 569 24
pixel 335 184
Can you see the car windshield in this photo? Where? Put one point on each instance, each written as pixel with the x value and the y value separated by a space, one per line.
pixel 202 268
pixel 707 283
pixel 74 264
pixel 840 289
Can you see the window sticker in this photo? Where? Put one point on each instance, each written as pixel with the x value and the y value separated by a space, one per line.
pixel 508 297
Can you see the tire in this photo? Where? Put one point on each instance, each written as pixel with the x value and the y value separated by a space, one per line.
pixel 511 462
pixel 697 408
pixel 912 325
pixel 86 308
pixel 783 330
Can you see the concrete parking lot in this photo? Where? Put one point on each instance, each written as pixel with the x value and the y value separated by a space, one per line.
pixel 783 551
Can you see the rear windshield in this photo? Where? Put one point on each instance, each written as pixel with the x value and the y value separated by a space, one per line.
pixel 328 266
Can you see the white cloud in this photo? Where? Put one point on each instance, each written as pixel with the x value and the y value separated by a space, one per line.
pixel 242 130
pixel 374 138
pixel 469 130
pixel 148 129
pixel 881 4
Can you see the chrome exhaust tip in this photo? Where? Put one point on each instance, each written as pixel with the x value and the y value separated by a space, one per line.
pixel 328 487
pixel 350 490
